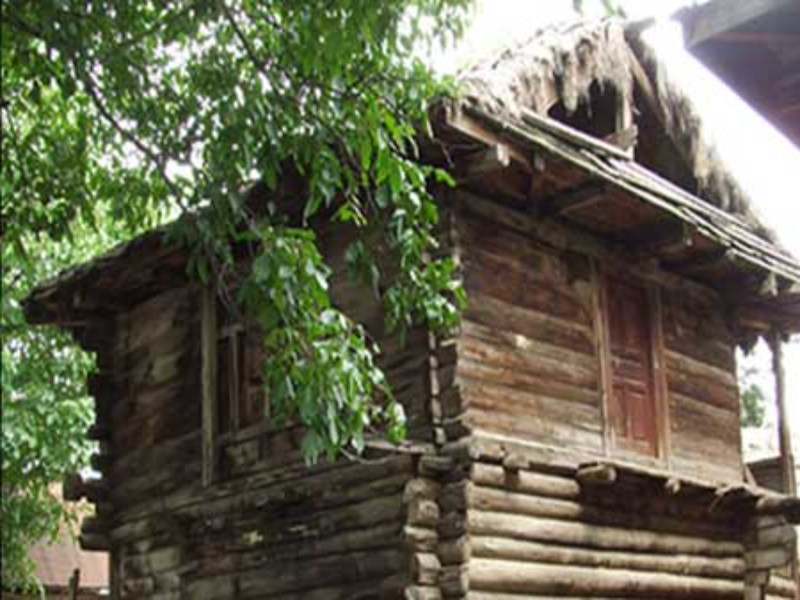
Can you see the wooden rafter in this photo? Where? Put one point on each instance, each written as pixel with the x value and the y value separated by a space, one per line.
pixel 663 239
pixel 572 199
pixel 491 160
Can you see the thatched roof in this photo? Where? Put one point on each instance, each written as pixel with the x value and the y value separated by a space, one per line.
pixel 561 63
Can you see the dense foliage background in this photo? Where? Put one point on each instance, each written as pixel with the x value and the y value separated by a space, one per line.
pixel 117 116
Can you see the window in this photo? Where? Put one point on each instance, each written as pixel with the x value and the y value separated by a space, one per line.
pixel 240 391
pixel 234 401
pixel 631 355
pixel 597 114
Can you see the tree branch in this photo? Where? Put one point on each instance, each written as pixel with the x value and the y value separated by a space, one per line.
pixel 158 162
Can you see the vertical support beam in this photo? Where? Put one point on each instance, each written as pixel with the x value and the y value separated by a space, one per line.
pixel 623 124
pixel 660 376
pixel 208 334
pixel 74 584
pixel 784 431
pixel 601 336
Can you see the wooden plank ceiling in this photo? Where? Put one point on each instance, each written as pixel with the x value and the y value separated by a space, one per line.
pixel 754 46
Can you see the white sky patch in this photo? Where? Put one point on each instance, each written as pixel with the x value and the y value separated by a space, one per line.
pixel 766 163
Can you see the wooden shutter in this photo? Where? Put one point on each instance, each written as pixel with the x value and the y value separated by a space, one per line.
pixel 632 405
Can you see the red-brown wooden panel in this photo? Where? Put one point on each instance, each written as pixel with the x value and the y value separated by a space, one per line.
pixel 632 406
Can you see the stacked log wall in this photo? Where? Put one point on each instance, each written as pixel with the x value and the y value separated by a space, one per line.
pixel 268 526
pixel 527 362
pixel 700 361
pixel 526 380
pixel 536 531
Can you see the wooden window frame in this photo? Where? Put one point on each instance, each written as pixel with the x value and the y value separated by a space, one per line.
pixel 662 453
pixel 212 335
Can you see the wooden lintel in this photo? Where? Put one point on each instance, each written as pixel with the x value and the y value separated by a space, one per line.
pixel 571 199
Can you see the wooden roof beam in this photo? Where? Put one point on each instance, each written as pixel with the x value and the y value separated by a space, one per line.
pixel 467 126
pixel 624 138
pixel 572 199
pixel 706 261
pixel 496 157
pixel 663 239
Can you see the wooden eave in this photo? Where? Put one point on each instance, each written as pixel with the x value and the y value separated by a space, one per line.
pixel 558 173
pixel 129 273
pixel 138 269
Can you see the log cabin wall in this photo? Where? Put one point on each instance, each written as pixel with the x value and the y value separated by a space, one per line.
pixel 702 389
pixel 529 356
pixel 486 499
pixel 268 526
pixel 524 408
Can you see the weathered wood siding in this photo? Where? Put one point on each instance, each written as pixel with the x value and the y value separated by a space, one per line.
pixel 268 526
pixel 522 404
pixel 529 365
pixel 702 388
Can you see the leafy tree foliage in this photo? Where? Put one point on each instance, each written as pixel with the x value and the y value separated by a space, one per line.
pixel 44 403
pixel 116 115
pixel 752 398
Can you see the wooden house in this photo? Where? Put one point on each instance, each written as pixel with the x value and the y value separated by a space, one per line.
pixel 577 438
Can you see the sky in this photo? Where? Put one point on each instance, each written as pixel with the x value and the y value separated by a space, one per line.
pixel 767 164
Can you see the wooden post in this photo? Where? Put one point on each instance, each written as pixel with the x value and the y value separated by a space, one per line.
pixel 74 584
pixel 784 432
